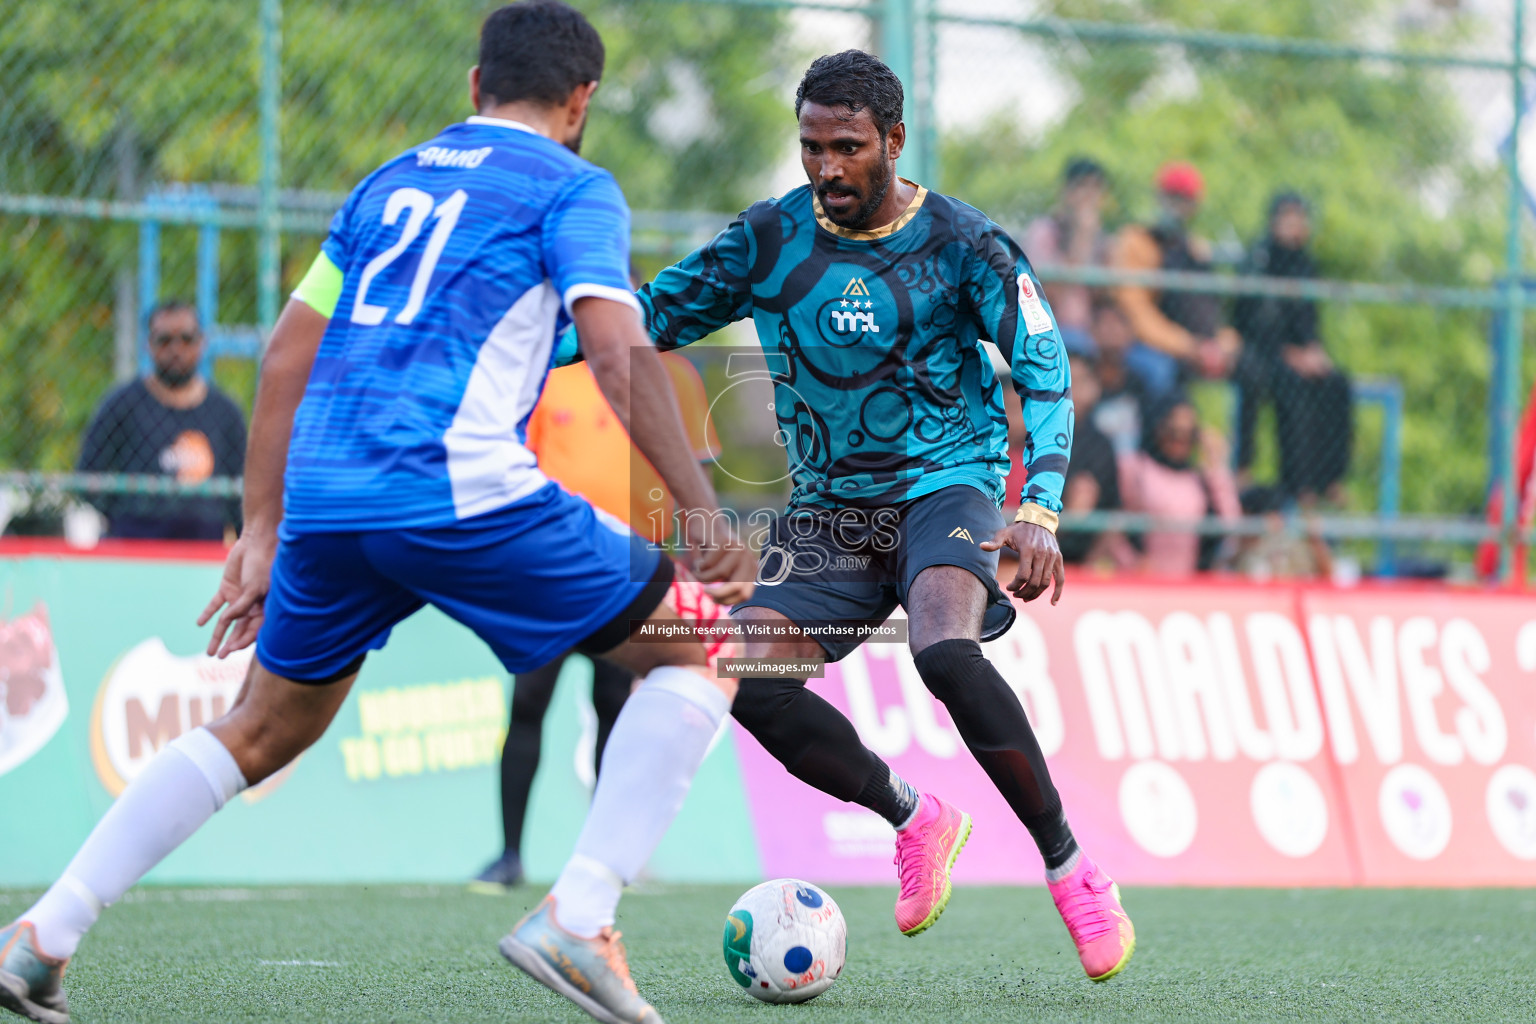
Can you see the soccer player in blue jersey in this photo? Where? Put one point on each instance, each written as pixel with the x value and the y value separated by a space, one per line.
pixel 405 370
pixel 873 294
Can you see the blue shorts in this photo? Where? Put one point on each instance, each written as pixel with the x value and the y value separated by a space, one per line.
pixel 532 580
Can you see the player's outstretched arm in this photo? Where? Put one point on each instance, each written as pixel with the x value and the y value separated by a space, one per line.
pixel 284 372
pixel 1012 312
pixel 636 384
pixel 702 292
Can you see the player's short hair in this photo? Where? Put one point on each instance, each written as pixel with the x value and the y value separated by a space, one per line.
pixel 537 51
pixel 856 80
pixel 1288 197
pixel 1081 168
pixel 174 306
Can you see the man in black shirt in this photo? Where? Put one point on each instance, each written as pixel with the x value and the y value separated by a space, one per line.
pixel 170 423
pixel 1283 361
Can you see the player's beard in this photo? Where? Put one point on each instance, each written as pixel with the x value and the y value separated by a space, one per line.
pixel 869 202
pixel 574 144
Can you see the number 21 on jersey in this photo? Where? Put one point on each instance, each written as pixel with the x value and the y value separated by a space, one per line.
pixel 417 206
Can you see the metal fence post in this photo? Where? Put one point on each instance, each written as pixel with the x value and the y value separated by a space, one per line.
pixel 149 288
pixel 927 95
pixel 268 245
pixel 898 47
pixel 208 280
pixel 1510 379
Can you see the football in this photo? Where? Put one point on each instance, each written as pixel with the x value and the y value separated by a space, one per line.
pixel 785 941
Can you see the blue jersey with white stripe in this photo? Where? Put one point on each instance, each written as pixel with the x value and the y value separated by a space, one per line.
pixel 461 258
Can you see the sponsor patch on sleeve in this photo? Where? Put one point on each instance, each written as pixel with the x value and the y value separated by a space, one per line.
pixel 1036 318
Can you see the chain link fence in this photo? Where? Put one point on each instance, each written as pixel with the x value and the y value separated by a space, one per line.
pixel 1297 217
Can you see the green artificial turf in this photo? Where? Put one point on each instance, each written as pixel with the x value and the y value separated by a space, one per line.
pixel 429 954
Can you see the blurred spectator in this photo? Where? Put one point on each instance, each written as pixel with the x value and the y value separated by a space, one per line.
pixel 1184 326
pixel 1119 365
pixel 1277 554
pixel 1284 362
pixel 1180 473
pixel 1149 371
pixel 1072 235
pixel 1093 478
pixel 172 422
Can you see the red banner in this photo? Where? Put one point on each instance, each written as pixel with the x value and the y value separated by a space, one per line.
pixel 1218 734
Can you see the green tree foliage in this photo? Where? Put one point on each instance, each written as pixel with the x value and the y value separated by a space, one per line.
pixel 1383 152
pixel 361 84
pixel 110 98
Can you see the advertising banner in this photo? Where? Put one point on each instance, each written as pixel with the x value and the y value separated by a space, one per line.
pixel 1431 711
pixel 1201 733
pixel 101 666
pixel 35 703
pixel 1218 734
pixel 1181 726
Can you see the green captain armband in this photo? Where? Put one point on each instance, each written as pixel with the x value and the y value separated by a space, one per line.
pixel 321 287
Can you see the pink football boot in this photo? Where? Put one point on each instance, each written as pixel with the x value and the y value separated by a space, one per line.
pixel 1090 905
pixel 926 851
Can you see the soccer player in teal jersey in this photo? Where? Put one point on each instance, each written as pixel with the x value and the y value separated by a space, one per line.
pixel 872 294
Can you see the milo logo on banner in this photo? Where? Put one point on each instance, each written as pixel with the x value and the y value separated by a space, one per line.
pixel 32 700
pixel 151 696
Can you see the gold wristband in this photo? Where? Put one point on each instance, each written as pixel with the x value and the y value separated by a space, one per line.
pixel 1030 512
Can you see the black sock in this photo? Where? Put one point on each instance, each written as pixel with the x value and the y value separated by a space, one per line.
pixel 611 685
pixel 819 746
pixel 531 692
pixel 1054 837
pixel 889 795
pixel 992 723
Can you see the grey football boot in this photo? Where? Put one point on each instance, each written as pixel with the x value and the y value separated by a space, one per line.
pixel 31 981
pixel 592 973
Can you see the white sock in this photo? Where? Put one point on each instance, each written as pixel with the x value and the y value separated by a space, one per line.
pixel 176 793
pixel 65 912
pixel 656 746
pixel 1061 871
pixel 908 795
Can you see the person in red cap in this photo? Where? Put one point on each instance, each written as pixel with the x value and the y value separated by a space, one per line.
pixel 1184 326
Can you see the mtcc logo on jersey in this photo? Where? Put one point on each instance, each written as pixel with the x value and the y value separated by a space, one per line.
pixel 847 318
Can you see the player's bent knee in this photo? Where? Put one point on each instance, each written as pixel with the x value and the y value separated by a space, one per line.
pixel 787 642
pixel 276 720
pixel 261 749
pixel 761 701
pixel 950 667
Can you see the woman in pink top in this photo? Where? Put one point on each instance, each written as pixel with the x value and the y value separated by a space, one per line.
pixel 1166 481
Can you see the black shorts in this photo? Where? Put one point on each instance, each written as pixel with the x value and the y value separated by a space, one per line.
pixel 855 565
